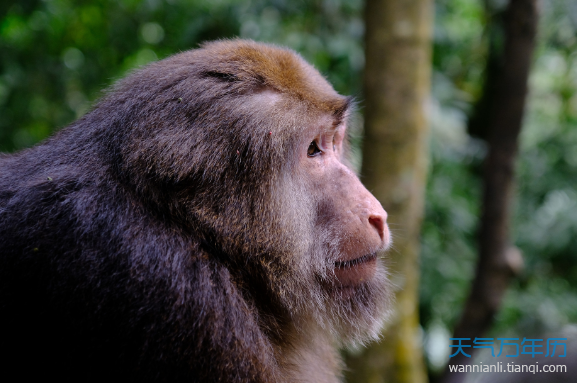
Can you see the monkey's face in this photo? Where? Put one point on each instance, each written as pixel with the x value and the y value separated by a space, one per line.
pixel 351 217
pixel 349 232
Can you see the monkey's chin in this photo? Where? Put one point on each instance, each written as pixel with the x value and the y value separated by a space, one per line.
pixel 352 273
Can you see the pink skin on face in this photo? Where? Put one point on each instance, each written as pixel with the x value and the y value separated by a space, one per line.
pixel 357 214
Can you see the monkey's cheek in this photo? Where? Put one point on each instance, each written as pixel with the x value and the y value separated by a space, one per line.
pixel 351 276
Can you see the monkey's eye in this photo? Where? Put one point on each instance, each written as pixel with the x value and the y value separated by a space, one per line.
pixel 313 149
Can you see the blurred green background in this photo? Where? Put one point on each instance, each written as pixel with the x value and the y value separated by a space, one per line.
pixel 56 57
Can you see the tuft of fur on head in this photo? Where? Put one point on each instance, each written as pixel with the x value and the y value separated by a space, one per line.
pixel 276 68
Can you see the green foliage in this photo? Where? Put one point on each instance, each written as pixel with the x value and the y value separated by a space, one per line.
pixel 544 297
pixel 546 219
pixel 454 190
pixel 57 55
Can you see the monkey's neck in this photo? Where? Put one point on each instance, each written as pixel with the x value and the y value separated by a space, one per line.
pixel 312 357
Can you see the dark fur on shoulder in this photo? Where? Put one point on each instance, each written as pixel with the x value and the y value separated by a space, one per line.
pixel 167 236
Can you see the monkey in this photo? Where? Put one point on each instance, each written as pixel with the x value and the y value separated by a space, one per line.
pixel 200 223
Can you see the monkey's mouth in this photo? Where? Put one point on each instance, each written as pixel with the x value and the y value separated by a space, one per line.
pixel 355 271
pixel 354 262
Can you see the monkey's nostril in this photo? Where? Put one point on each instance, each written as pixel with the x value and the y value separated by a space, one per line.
pixel 378 223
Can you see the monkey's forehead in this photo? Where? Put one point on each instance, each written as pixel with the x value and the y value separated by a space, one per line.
pixel 266 65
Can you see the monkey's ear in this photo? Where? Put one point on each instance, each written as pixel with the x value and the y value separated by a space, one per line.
pixel 343 111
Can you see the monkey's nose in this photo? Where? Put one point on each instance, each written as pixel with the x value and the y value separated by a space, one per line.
pixel 378 222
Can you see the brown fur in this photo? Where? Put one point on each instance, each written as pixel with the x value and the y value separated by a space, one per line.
pixel 180 232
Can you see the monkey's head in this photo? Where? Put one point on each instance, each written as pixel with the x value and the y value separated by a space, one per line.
pixel 243 146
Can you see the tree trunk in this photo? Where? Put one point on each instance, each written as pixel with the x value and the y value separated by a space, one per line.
pixel 498 261
pixel 397 84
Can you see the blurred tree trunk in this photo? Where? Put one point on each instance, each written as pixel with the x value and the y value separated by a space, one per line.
pixel 498 120
pixel 397 84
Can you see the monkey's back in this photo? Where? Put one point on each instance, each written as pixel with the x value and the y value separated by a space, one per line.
pixel 94 287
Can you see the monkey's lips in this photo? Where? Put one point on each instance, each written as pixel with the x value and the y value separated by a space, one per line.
pixel 356 271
